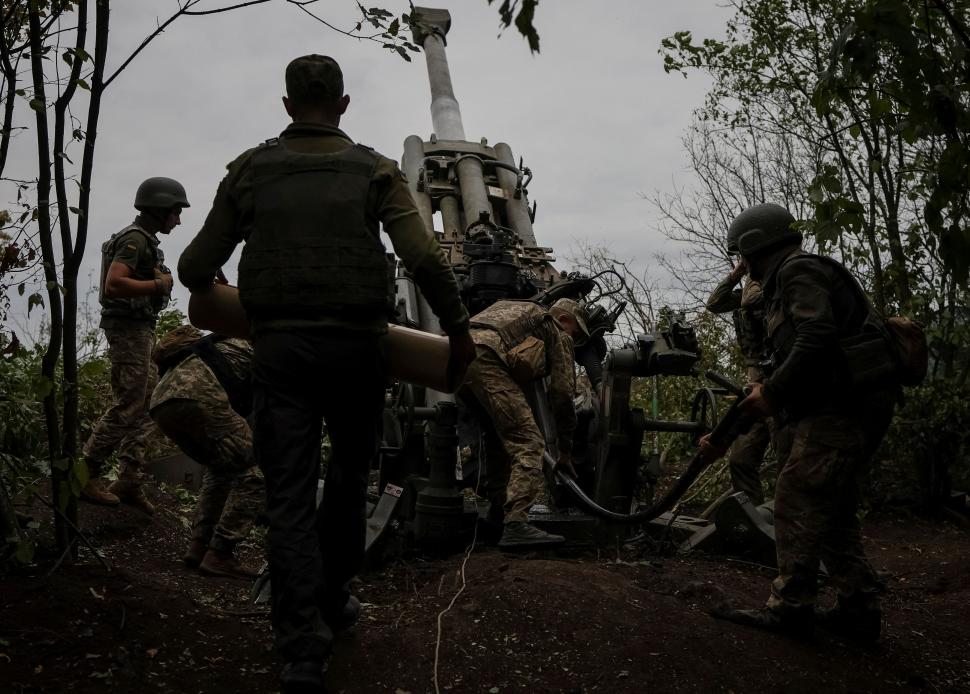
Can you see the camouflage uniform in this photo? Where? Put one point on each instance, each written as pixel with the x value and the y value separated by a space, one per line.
pixel 129 326
pixel 513 443
pixel 191 407
pixel 748 451
pixel 811 305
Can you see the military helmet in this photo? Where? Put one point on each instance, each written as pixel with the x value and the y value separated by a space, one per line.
pixel 760 227
pixel 175 340
pixel 578 312
pixel 160 193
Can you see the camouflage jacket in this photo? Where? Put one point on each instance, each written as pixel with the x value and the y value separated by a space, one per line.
pixel 515 321
pixel 193 380
pixel 748 311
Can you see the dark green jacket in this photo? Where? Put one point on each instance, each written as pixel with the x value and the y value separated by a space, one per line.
pixel 389 202
pixel 810 306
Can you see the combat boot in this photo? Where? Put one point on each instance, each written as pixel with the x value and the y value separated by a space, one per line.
pixel 345 618
pixel 859 621
pixel 195 553
pixel 798 623
pixel 302 677
pixel 219 563
pixel 131 492
pixel 522 535
pixel 94 492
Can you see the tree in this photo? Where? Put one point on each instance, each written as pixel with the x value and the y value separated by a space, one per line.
pixel 912 59
pixel 37 40
pixel 869 185
pixel 732 169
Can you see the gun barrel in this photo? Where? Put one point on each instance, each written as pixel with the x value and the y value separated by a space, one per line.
pixel 430 35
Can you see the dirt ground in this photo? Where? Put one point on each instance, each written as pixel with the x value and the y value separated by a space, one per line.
pixel 535 623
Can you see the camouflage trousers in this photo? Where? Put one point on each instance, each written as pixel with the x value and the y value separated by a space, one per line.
pixel 816 500
pixel 126 426
pixel 748 455
pixel 216 437
pixel 511 456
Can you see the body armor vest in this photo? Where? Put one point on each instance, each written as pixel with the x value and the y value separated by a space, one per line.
pixel 749 326
pixel 312 251
pixel 863 358
pixel 512 320
pixel 137 307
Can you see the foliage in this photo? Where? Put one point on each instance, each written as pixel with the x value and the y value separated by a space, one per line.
pixel 524 18
pixel 865 101
pixel 927 452
pixel 909 61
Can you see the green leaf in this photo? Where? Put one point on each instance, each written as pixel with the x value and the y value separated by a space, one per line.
pixel 38 105
pixel 83 84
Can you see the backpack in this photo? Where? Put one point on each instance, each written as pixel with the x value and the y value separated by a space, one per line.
pixel 907 342
pixel 904 337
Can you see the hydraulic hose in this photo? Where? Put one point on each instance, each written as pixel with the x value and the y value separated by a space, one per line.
pixel 727 429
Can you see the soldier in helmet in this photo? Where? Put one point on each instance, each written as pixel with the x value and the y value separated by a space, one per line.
pixel 833 385
pixel 518 342
pixel 135 286
pixel 314 281
pixel 746 305
pixel 201 401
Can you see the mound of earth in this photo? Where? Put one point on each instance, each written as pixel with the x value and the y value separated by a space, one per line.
pixel 521 623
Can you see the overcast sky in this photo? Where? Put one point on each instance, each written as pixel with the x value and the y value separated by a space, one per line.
pixel 593 114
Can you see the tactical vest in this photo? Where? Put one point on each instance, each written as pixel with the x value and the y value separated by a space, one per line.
pixel 749 326
pixel 312 250
pixel 136 307
pixel 864 359
pixel 512 320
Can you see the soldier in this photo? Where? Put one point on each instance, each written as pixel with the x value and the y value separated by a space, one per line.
pixel 518 342
pixel 748 451
pixel 135 286
pixel 314 281
pixel 200 403
pixel 833 385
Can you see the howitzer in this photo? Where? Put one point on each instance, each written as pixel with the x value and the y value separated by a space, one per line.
pixel 478 194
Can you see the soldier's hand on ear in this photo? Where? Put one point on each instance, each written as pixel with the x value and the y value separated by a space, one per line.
pixel 739 271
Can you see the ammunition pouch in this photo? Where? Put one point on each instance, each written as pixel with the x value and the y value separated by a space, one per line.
pixel 868 360
pixel 527 360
